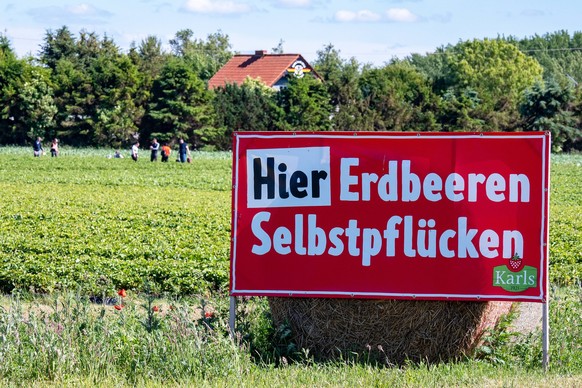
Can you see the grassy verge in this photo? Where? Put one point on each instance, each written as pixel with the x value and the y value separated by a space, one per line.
pixel 65 339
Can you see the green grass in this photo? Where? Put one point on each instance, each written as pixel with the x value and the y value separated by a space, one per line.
pixel 83 224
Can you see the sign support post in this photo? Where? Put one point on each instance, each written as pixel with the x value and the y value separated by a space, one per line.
pixel 232 316
pixel 545 304
pixel 545 337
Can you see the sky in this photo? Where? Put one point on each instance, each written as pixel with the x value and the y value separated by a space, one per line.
pixel 371 31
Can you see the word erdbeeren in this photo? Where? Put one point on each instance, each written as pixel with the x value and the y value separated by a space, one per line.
pixel 277 181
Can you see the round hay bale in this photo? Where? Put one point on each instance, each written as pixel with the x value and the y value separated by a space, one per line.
pixel 390 331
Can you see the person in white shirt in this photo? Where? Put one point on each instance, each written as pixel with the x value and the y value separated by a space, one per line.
pixel 134 151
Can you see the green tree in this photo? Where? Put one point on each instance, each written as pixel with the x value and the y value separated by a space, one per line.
pixel 306 106
pixel 58 45
pixel 180 104
pixel 459 111
pixel 576 108
pixel 557 52
pixel 546 108
pixel 497 70
pixel 72 89
pixel 149 57
pixel 27 109
pixel 434 67
pixel 247 107
pixel 35 108
pixel 399 98
pixel 205 57
pixel 11 80
pixel 114 112
pixel 95 89
pixel 494 75
pixel 341 79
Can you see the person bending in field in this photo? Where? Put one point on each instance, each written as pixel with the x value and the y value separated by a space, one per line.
pixel 166 151
pixel 55 148
pixel 184 151
pixel 154 148
pixel 134 151
pixel 37 147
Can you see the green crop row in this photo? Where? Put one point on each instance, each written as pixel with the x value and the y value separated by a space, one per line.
pixel 566 219
pixel 87 222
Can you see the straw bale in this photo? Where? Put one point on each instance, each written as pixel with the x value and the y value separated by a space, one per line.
pixel 389 331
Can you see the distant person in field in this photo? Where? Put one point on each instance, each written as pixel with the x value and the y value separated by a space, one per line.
pixel 155 147
pixel 37 147
pixel 166 151
pixel 134 151
pixel 118 155
pixel 55 148
pixel 184 151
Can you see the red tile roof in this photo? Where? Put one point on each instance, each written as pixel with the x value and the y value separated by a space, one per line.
pixel 268 67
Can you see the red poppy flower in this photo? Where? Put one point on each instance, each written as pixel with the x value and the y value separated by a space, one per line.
pixel 122 293
pixel 208 314
pixel 118 306
pixel 155 309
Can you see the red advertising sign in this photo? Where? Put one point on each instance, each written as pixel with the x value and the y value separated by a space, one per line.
pixel 459 216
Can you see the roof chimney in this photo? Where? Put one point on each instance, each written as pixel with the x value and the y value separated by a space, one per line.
pixel 260 53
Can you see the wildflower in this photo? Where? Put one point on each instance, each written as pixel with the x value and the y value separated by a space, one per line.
pixel 122 293
pixel 155 309
pixel 118 306
pixel 208 314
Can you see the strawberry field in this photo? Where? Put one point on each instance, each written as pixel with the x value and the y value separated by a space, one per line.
pixel 85 222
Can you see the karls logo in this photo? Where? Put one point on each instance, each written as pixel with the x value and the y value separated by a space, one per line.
pixel 287 177
pixel 515 277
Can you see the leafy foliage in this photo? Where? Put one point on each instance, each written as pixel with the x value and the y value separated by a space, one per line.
pixel 305 104
pixel 546 108
pixel 85 91
pixel 399 98
pixel 494 75
pixel 558 53
pixel 179 104
pixel 341 79
pixel 11 80
pixel 248 107
pixel 205 57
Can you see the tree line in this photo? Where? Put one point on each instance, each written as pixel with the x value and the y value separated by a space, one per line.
pixel 85 91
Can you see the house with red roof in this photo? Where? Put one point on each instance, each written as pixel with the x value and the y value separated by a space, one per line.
pixel 272 69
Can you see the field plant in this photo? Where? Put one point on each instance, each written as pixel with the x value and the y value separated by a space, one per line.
pixel 83 220
pixel 566 219
pixel 78 229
